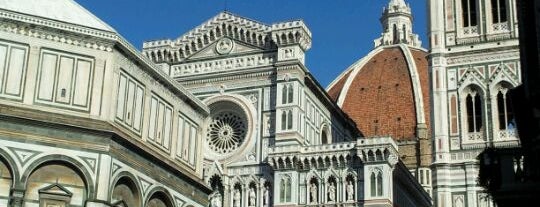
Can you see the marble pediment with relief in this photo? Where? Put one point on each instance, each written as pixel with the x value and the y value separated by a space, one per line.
pixel 225 47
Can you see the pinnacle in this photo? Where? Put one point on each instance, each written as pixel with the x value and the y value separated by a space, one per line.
pixel 397 3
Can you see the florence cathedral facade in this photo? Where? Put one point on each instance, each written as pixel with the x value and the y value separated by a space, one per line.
pixel 229 115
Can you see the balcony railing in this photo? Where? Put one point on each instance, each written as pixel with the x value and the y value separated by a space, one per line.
pixel 475 136
pixel 508 134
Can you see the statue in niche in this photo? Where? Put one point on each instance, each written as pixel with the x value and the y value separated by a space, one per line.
pixel 350 191
pixel 216 200
pixel 266 201
pixel 331 192
pixel 252 197
pixel 236 198
pixel 313 193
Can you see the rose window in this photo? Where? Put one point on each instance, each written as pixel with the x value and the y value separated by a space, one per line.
pixel 226 132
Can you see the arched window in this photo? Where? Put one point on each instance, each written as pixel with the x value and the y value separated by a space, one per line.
pixel 396 37
pixel 284 94
pixel 379 184
pixel 373 179
pixel 324 135
pixel 284 120
pixel 287 94
pixel 376 180
pixel 404 28
pixel 290 94
pixel 285 189
pixel 498 11
pixel 506 115
pixel 474 111
pixel 289 120
pixel 469 13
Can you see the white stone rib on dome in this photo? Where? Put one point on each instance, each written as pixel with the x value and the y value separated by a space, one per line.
pixel 60 10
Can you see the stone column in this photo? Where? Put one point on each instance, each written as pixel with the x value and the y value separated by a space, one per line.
pixel 16 197
pixel 244 197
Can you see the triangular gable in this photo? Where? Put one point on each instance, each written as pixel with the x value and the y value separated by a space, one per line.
pixel 56 189
pixel 224 25
pixel 237 47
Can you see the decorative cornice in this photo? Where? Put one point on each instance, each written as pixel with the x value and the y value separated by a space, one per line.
pixel 377 149
pixel 42 33
pixel 57 24
pixel 226 78
pixel 221 65
pixel 484 57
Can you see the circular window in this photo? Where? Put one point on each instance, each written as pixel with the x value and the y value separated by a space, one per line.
pixel 228 127
pixel 226 132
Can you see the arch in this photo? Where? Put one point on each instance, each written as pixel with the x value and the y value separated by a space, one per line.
pixel 473 102
pixel 235 33
pixel 284 120
pixel 502 111
pixel 6 176
pixel 127 180
pixel 206 40
pixel 395 34
pixel 11 165
pixel 187 50
pixel 404 28
pixel 229 31
pixel 283 39
pixel 212 35
pixel 325 134
pixel 332 188
pixel 75 165
pixel 313 190
pixel 237 194
pixel 285 188
pixel 193 46
pixel 378 155
pixel 260 40
pixel 242 35
pixel 297 36
pixel 57 182
pixel 350 189
pixel 159 197
pixel 253 38
pixel 379 183
pixel 290 38
pixel 290 120
pixel 371 155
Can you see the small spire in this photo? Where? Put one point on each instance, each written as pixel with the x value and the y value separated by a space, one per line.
pixel 396 3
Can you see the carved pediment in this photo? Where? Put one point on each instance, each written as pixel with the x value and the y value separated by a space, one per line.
pixel 245 33
pixel 225 46
pixel 55 195
pixel 56 189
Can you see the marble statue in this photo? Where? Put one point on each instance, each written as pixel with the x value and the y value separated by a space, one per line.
pixel 236 198
pixel 216 200
pixel 252 197
pixel 266 201
pixel 350 191
pixel 313 193
pixel 331 192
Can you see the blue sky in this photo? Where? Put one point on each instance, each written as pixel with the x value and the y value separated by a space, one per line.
pixel 343 30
